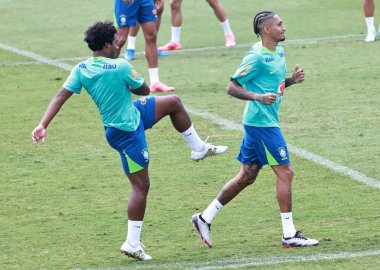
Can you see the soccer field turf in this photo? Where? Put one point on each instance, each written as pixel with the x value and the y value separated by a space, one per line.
pixel 63 204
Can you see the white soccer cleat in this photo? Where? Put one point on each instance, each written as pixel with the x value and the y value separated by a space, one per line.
pixel 203 229
pixel 136 252
pixel 371 36
pixel 298 240
pixel 207 151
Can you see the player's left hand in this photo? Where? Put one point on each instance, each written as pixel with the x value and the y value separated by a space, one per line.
pixel 298 74
pixel 39 134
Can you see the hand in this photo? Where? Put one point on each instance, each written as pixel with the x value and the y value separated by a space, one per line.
pixel 298 74
pixel 128 1
pixel 39 133
pixel 267 98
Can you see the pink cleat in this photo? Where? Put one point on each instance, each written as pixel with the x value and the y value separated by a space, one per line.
pixel 230 40
pixel 160 87
pixel 171 46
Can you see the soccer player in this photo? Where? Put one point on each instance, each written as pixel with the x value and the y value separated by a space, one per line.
pixel 110 81
pixel 127 14
pixel 176 21
pixel 369 11
pixel 261 81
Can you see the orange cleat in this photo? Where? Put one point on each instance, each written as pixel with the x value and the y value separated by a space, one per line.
pixel 171 46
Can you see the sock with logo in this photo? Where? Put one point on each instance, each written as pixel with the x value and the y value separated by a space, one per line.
pixel 287 225
pixel 226 27
pixel 134 232
pixel 211 211
pixel 193 139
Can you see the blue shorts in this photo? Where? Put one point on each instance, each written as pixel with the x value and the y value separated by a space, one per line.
pixel 128 14
pixel 263 145
pixel 132 145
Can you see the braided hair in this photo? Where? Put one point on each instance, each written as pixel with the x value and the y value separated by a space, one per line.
pixel 261 18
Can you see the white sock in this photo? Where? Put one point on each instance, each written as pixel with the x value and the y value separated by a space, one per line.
pixel 134 232
pixel 226 27
pixel 288 228
pixel 131 43
pixel 176 34
pixel 211 211
pixel 370 21
pixel 153 75
pixel 193 139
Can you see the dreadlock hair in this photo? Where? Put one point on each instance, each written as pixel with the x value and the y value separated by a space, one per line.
pixel 99 34
pixel 261 18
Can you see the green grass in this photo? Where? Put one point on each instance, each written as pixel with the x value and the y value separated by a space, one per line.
pixel 63 204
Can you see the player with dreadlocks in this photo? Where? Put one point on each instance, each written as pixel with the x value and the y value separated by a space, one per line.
pixel 261 81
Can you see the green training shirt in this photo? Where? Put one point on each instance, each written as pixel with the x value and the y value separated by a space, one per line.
pixel 107 81
pixel 262 71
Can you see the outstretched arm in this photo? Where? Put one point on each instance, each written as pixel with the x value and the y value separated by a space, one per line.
pixel 298 76
pixel 234 89
pixel 39 132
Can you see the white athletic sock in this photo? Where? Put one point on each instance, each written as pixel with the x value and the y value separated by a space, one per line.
pixel 287 224
pixel 134 232
pixel 153 75
pixel 193 139
pixel 211 211
pixel 226 27
pixel 370 21
pixel 131 43
pixel 176 34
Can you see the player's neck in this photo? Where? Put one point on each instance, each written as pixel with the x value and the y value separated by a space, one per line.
pixel 269 44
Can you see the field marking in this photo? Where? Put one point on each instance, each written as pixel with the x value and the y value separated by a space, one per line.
pixel 330 39
pixel 232 125
pixel 239 263
pixel 295 150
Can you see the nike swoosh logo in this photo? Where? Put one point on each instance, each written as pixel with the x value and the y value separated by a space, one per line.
pixel 187 135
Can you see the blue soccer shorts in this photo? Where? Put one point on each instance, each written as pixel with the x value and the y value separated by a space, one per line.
pixel 132 145
pixel 262 146
pixel 128 14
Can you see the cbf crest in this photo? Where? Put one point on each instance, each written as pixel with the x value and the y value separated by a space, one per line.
pixel 123 19
pixel 282 152
pixel 145 154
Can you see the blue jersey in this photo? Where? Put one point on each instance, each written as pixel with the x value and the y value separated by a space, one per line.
pixel 107 81
pixel 262 71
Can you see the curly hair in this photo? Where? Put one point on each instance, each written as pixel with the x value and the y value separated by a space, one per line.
pixel 259 19
pixel 97 35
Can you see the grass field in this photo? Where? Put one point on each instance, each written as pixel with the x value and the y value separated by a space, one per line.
pixel 63 204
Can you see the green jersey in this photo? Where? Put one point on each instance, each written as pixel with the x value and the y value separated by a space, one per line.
pixel 107 81
pixel 262 71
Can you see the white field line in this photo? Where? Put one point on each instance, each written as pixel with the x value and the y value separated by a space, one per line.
pixel 331 39
pixel 231 125
pixel 239 263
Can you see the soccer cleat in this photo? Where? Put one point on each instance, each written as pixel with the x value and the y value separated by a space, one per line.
pixel 129 55
pixel 170 46
pixel 371 36
pixel 298 240
pixel 160 87
pixel 162 54
pixel 207 151
pixel 136 253
pixel 230 40
pixel 203 229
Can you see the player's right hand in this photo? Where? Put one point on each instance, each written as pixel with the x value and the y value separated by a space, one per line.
pixel 268 98
pixel 39 134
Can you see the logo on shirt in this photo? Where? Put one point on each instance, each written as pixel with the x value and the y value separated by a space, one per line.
pixel 134 74
pixel 269 59
pixel 282 152
pixel 83 65
pixel 281 54
pixel 123 19
pixel 244 70
pixel 109 66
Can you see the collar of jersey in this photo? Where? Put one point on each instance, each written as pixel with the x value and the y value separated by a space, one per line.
pixel 97 58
